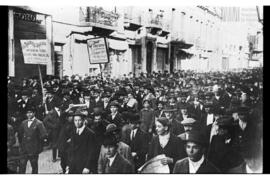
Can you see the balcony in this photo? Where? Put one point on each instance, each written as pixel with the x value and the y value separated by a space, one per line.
pixel 131 22
pixel 99 18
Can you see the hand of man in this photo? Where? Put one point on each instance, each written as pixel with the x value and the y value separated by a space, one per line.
pixel 85 171
pixel 133 154
pixel 166 161
pixel 67 170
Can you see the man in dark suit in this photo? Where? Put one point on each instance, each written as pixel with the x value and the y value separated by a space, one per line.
pixel 115 117
pixel 196 161
pixel 138 141
pixel 31 135
pixel 51 99
pixel 25 102
pixel 83 157
pixel 64 140
pixel 52 122
pixel 115 163
pixel 221 152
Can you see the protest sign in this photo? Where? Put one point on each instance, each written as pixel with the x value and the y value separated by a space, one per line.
pixel 97 50
pixel 35 51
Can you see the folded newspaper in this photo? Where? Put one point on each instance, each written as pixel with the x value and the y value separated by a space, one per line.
pixel 154 166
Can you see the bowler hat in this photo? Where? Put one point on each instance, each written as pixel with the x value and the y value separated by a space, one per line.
pixel 98 113
pixel 208 105
pixel 169 108
pixel 225 120
pixel 115 103
pixel 110 140
pixel 164 121
pixel 78 113
pixel 242 110
pixel 111 128
pixel 196 136
pixel 31 108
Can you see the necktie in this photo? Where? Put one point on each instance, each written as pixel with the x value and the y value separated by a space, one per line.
pixel 78 132
pixel 107 166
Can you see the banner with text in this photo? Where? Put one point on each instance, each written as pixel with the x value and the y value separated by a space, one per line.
pixel 98 50
pixel 35 51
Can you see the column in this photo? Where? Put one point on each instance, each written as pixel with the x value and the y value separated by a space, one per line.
pixel 49 37
pixel 11 54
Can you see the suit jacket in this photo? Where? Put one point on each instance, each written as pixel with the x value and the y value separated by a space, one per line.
pixel 139 144
pixel 176 127
pixel 222 155
pixel 182 166
pixel 31 139
pixel 174 149
pixel 123 149
pixel 83 151
pixel 239 169
pixel 118 120
pixel 22 105
pixel 119 165
pixel 51 104
pixel 52 123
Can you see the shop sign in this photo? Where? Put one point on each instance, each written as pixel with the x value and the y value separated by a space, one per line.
pixel 30 17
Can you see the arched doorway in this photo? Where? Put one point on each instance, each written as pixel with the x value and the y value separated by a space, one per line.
pixel 149 56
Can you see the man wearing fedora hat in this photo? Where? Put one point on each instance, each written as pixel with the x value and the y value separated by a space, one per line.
pixel 123 149
pixel 189 124
pixel 63 143
pixel 196 161
pixel 138 141
pixel 32 134
pixel 176 127
pixel 114 162
pixel 53 121
pixel 83 156
pixel 25 102
pixel 221 151
pixel 115 116
pixel 247 129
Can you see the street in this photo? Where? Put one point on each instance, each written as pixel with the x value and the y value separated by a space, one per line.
pixel 45 164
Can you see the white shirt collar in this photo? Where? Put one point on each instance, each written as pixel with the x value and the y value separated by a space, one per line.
pixel 111 159
pixel 133 132
pixel 113 115
pixel 194 166
pixel 80 129
pixel 30 121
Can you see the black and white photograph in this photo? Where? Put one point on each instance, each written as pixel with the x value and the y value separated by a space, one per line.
pixel 135 89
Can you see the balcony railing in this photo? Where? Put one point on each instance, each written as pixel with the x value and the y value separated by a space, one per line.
pixel 99 16
pixel 133 19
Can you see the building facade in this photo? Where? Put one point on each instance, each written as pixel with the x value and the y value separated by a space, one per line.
pixel 145 40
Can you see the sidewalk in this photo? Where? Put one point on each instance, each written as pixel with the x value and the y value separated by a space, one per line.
pixel 45 164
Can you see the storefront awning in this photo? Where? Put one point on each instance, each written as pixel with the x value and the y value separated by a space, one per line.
pixel 181 44
pixel 118 45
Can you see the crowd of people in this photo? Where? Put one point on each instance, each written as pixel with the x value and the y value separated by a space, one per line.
pixel 202 122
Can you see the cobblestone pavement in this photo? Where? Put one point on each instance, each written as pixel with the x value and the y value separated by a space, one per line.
pixel 45 164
